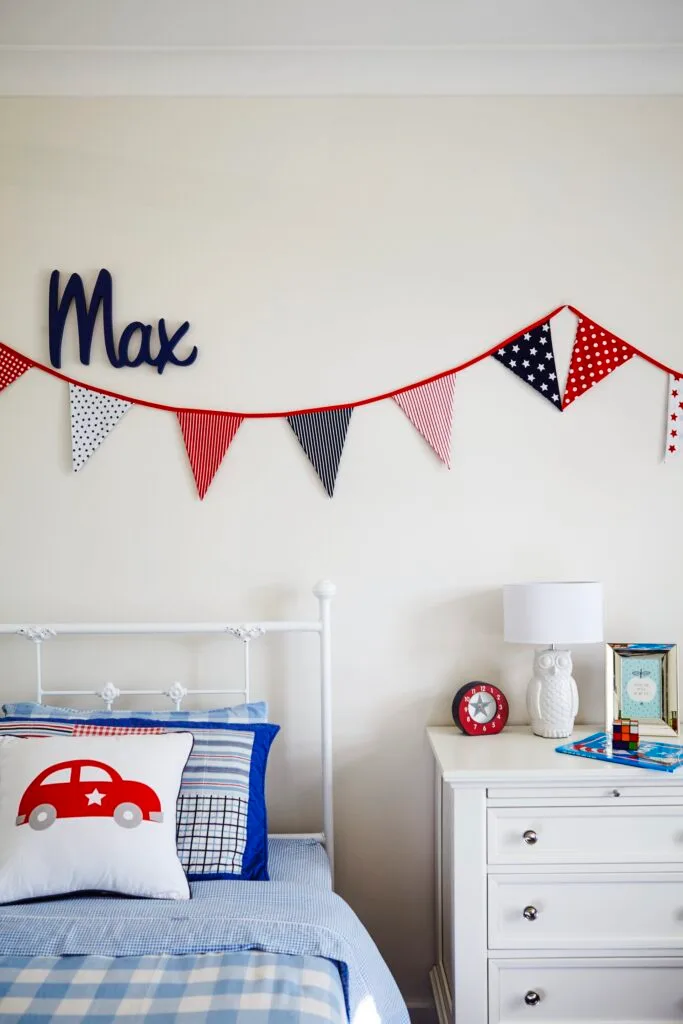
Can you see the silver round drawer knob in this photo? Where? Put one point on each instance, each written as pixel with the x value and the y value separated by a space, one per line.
pixel 530 837
pixel 530 913
pixel 532 998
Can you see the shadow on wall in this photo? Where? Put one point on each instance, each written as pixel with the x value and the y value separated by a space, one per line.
pixel 469 628
pixel 384 839
pixel 461 640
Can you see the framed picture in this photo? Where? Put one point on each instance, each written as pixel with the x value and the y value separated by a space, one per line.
pixel 642 683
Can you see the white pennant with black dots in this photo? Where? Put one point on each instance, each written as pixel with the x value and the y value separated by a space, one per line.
pixel 93 417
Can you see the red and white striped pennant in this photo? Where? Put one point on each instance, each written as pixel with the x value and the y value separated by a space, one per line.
pixel 674 418
pixel 207 437
pixel 429 408
pixel 12 366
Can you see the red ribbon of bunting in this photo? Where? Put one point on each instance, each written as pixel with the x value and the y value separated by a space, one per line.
pixel 32 363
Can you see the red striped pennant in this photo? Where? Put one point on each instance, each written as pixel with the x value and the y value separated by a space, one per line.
pixel 430 409
pixel 12 366
pixel 207 437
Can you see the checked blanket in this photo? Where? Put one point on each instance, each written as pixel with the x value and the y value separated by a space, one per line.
pixel 249 987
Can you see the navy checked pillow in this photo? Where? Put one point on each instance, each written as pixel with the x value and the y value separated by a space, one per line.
pixel 222 826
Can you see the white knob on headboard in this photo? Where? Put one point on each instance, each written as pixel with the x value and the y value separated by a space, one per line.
pixel 325 588
pixel 109 693
pixel 176 692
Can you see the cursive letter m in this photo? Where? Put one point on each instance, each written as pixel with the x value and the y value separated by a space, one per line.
pixel 86 316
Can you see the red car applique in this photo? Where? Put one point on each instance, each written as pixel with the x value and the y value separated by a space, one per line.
pixel 86 789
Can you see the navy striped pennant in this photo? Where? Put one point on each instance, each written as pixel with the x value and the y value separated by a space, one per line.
pixel 322 436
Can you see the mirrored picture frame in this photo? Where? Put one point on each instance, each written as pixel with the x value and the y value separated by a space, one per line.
pixel 641 682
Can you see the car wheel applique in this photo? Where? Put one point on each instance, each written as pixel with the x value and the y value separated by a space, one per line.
pixel 42 816
pixel 86 789
pixel 127 815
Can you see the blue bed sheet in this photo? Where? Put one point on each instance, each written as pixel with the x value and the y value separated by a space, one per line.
pixel 222 917
pixel 299 861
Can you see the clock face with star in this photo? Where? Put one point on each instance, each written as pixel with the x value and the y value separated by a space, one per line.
pixel 480 709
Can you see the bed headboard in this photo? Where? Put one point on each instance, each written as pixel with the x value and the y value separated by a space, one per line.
pixel 246 633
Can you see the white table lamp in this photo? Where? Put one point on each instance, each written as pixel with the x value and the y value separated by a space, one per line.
pixel 550 614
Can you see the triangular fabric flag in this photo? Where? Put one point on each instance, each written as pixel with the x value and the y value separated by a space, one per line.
pixel 207 437
pixel 93 417
pixel 595 354
pixel 531 357
pixel 429 408
pixel 12 366
pixel 674 418
pixel 322 435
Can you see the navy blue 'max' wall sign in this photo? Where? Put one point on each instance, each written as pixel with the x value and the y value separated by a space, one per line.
pixel 86 316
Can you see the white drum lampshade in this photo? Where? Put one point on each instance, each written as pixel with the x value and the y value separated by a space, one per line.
pixel 552 613
pixel 549 614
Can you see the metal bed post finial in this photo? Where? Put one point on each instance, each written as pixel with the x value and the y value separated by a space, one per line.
pixel 38 634
pixel 325 591
pixel 246 634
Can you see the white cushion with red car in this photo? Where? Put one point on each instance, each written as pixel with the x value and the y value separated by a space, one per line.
pixel 91 813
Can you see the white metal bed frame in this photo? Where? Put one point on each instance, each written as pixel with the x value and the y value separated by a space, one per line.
pixel 246 633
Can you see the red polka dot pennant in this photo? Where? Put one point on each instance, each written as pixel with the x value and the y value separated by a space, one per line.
pixel 595 355
pixel 674 418
pixel 12 366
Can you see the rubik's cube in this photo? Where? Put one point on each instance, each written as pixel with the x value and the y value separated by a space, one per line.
pixel 625 734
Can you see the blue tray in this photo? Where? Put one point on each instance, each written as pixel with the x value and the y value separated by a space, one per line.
pixel 660 757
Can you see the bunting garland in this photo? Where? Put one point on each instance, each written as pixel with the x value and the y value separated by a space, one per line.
pixel 321 432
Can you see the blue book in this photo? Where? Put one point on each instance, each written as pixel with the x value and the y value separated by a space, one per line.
pixel 661 757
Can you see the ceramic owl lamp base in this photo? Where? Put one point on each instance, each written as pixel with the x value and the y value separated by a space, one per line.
pixel 552 698
pixel 547 614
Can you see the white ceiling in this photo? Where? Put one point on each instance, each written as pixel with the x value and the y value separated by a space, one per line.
pixel 340 47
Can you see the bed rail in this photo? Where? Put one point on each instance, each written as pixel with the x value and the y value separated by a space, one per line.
pixel 244 632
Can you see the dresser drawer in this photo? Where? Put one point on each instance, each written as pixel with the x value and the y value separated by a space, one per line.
pixel 618 834
pixel 608 991
pixel 670 791
pixel 616 911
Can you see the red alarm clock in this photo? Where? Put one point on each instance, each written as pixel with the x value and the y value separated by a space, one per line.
pixel 480 709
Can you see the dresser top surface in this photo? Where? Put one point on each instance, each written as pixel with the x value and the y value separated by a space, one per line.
pixel 516 754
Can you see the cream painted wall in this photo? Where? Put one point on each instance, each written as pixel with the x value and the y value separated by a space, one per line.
pixel 323 251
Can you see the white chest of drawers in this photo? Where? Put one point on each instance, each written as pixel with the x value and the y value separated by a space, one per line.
pixel 559 885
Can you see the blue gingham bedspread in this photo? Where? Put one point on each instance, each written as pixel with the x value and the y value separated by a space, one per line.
pixel 221 917
pixel 245 987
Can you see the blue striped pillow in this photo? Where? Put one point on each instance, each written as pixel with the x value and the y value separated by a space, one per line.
pixel 254 712
pixel 222 825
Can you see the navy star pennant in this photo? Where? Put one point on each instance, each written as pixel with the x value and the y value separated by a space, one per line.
pixel 530 356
